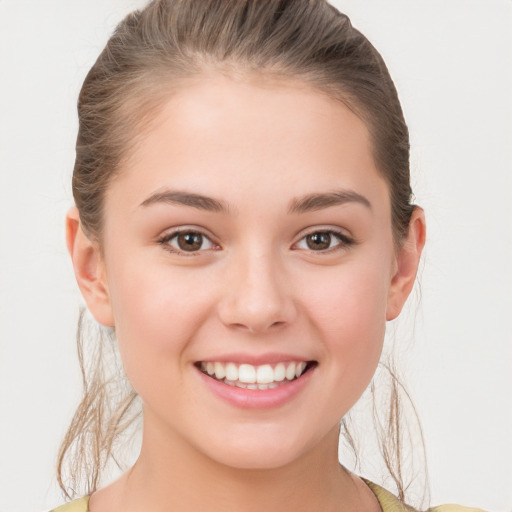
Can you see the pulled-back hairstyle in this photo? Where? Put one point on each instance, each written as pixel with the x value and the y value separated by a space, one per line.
pixel 152 53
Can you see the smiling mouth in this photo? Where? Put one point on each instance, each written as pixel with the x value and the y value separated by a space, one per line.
pixel 261 377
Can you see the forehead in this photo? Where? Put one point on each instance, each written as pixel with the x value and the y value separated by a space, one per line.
pixel 224 137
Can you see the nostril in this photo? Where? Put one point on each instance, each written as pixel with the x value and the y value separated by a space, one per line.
pixel 255 312
pixel 253 327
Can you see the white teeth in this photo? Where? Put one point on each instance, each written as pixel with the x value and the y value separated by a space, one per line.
pixel 247 373
pixel 231 372
pixel 300 368
pixel 239 384
pixel 279 372
pixel 265 374
pixel 290 371
pixel 220 371
pixel 254 377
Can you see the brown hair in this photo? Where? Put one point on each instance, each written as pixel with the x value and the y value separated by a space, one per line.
pixel 159 48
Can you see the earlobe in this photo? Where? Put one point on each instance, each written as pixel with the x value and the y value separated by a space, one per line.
pixel 408 258
pixel 89 269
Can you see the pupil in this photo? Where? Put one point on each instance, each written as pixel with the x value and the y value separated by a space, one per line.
pixel 319 241
pixel 190 241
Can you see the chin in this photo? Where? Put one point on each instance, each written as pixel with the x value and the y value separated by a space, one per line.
pixel 256 460
pixel 258 452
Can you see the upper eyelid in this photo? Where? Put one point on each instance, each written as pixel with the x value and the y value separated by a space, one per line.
pixel 170 232
pixel 345 240
pixel 339 232
pixel 167 236
pixel 343 233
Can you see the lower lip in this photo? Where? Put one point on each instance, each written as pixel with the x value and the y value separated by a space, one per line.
pixel 256 398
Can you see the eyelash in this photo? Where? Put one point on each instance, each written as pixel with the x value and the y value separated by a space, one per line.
pixel 344 241
pixel 166 239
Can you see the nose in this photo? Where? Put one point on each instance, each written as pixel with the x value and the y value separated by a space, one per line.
pixel 257 295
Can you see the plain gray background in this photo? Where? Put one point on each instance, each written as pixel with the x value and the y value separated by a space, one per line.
pixel 451 61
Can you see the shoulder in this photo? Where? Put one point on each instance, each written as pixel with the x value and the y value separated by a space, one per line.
pixel 79 505
pixel 390 503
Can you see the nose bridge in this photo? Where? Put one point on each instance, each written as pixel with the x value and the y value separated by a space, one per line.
pixel 256 296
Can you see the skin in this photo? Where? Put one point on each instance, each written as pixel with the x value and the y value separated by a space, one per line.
pixel 254 287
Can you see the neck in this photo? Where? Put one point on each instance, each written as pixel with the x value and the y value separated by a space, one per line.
pixel 170 474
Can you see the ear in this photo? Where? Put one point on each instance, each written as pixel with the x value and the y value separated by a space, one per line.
pixel 407 261
pixel 89 269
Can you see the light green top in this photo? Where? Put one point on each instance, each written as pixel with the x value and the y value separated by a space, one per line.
pixel 79 505
pixel 388 503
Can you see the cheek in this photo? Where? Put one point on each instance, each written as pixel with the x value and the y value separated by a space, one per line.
pixel 355 295
pixel 349 311
pixel 154 316
pixel 152 298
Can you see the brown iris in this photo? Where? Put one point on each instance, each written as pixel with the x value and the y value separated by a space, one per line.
pixel 190 241
pixel 319 241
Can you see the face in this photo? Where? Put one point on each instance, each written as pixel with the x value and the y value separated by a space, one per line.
pixel 247 241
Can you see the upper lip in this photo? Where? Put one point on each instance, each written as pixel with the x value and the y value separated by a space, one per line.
pixel 255 359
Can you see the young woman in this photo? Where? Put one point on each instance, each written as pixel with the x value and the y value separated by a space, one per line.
pixel 244 226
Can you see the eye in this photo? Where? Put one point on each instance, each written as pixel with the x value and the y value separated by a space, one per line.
pixel 323 241
pixel 187 241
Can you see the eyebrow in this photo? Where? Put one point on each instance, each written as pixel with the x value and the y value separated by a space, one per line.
pixel 186 199
pixel 308 203
pixel 313 202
